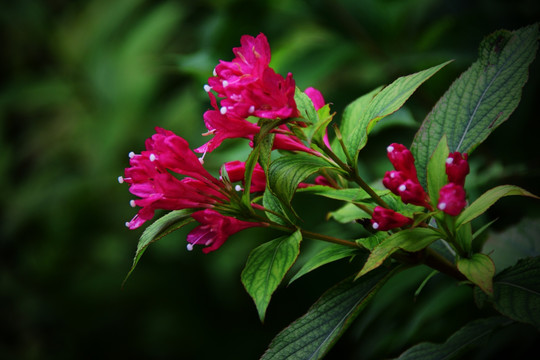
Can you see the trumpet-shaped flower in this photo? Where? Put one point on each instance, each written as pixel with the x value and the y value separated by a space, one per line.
pixel 215 229
pixel 457 168
pixel 403 160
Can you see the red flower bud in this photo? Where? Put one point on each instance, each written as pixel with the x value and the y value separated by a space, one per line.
pixel 393 179
pixel 387 219
pixel 403 160
pixel 457 168
pixel 412 193
pixel 452 199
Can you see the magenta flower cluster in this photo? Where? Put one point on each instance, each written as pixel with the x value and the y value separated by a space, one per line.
pixel 403 181
pixel 167 175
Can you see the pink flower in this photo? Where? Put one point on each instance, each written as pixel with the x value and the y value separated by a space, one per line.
pixel 151 179
pixel 316 97
pixel 387 219
pixel 412 192
pixel 457 168
pixel 223 127
pixel 249 86
pixel 452 199
pixel 403 160
pixel 215 229
pixel 393 179
pixel 236 171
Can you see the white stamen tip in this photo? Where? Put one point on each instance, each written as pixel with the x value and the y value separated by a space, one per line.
pixel 225 83
pixel 120 179
pixel 449 160
pixel 214 72
pixel 132 203
pixel 189 247
pixel 251 109
pixel 392 175
pixel 201 160
pixel 390 148
pixel 131 155
pixel 127 224
pixel 375 225
pixel 153 157
pixel 402 187
pixel 207 88
pixel 442 206
pixel 223 110
pixel 238 188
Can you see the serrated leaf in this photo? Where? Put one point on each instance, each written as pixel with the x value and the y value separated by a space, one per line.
pixel 436 171
pixel 266 266
pixel 270 202
pixel 481 99
pixel 410 240
pixel 347 213
pixel 312 335
pixel 353 194
pixel 286 172
pixel 479 269
pixel 516 291
pixel 326 255
pixel 490 197
pixel 361 116
pixel 472 334
pixel 163 226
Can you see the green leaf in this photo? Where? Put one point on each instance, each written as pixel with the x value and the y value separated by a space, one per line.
pixel 305 106
pixel 519 241
pixel 471 335
pixel 479 269
pixel 362 115
pixel 270 202
pixel 353 194
pixel 163 226
pixel 410 240
pixel 286 172
pixel 490 197
pixel 347 213
pixel 371 242
pixel 516 291
pixel 436 171
pixel 481 99
pixel 312 335
pixel 266 266
pixel 328 254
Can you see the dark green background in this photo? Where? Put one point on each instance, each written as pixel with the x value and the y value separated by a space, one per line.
pixel 85 82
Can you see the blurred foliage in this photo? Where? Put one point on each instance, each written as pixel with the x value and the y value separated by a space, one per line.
pixel 85 82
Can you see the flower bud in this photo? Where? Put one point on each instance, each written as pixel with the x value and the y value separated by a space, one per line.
pixel 403 160
pixel 457 168
pixel 412 193
pixel 452 199
pixel 393 179
pixel 387 219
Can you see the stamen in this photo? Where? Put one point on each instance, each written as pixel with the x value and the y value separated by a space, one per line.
pixel 449 160
pixel 132 203
pixel 251 109
pixel 375 225
pixel 225 83
pixel 127 224
pixel 120 180
pixel 214 72
pixel 131 155
pixel 392 175
pixel 442 206
pixel 402 187
pixel 201 159
pixel 390 148
pixel 208 242
pixel 207 88
pixel 238 188
pixel 223 110
pixel 189 247
pixel 153 157
pixel 211 132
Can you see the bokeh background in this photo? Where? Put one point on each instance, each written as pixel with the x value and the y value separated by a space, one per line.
pixel 85 82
